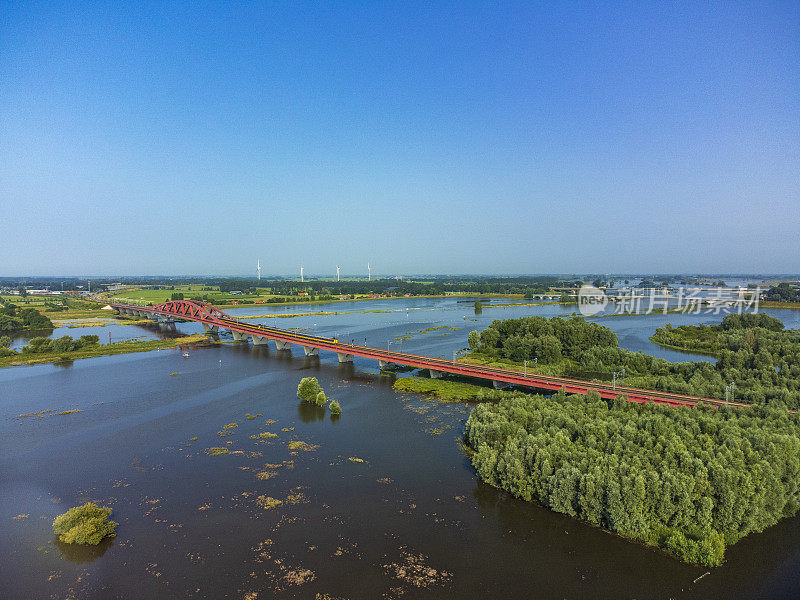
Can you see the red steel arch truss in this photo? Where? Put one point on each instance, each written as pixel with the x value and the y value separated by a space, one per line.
pixel 189 309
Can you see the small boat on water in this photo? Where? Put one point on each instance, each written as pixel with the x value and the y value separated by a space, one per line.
pixel 185 355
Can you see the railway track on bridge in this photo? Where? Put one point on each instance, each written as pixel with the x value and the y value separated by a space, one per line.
pixel 214 319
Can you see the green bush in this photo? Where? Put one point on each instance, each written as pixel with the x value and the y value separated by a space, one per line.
pixel 335 408
pixel 308 389
pixel 87 524
pixel 321 398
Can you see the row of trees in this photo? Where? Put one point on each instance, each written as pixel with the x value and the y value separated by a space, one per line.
pixel 44 345
pixel 689 481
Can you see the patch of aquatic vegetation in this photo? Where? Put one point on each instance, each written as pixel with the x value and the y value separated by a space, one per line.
pixel 263 435
pixel 192 439
pixel 39 414
pixel 268 502
pixel 51 411
pixel 296 496
pixel 411 569
pixel 270 421
pixel 172 374
pixel 250 417
pixel 300 445
pixel 264 475
pixel 287 428
pixel 21 517
pixel 230 426
pixel 216 451
pixel 449 391
pixel 438 430
pixel 355 459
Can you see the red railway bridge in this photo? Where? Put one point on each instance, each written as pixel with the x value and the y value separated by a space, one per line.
pixel 214 319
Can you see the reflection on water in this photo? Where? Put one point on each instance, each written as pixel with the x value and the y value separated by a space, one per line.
pixel 83 553
pixel 309 412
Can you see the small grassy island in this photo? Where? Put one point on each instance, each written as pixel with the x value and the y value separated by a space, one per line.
pixel 87 524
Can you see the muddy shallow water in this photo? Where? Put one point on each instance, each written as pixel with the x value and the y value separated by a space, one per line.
pixel 380 503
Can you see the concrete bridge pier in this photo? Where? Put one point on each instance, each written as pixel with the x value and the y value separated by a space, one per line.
pixel 384 365
pixel 500 385
pixel 311 351
pixel 435 374
pixel 344 358
pixel 210 328
pixel 283 345
pixel 259 340
pixel 238 336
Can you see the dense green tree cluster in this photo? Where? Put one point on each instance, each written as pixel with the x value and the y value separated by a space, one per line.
pixel 547 340
pixel 783 292
pixel 309 390
pixel 690 481
pixel 14 318
pixel 754 353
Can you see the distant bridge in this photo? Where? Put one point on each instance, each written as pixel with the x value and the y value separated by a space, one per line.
pixel 214 319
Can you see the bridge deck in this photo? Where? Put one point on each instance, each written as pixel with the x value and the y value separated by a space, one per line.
pixel 194 311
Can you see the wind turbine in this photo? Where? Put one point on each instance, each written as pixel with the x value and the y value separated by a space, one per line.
pixel 369 273
pixel 258 268
pixel 301 274
pixel 337 272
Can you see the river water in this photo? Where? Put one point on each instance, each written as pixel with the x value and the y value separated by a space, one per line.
pixel 379 503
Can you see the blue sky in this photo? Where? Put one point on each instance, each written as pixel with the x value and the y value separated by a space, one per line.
pixel 139 138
